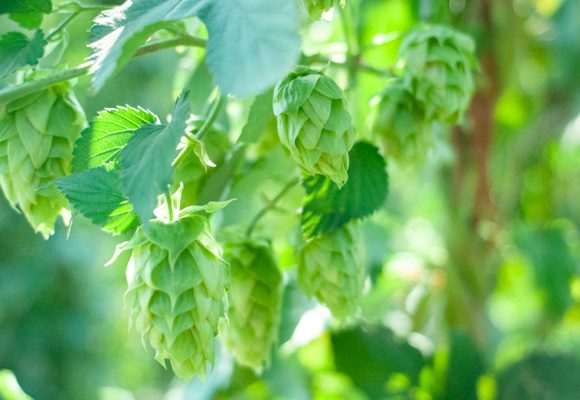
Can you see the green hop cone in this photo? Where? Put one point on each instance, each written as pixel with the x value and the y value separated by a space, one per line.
pixel 177 281
pixel 331 268
pixel 254 303
pixel 400 124
pixel 439 64
pixel 314 123
pixel 37 135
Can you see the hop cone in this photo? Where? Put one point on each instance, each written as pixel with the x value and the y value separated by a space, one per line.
pixel 37 134
pixel 314 124
pixel 400 124
pixel 254 303
pixel 439 65
pixel 176 288
pixel 330 267
pixel 315 8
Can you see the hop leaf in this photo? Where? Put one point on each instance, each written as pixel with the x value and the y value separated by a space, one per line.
pixel 331 268
pixel 37 134
pixel 439 64
pixel 401 124
pixel 255 299
pixel 314 123
pixel 177 281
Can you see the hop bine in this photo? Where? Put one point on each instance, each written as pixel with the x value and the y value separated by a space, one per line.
pixel 314 123
pixel 177 281
pixel 37 134
pixel 331 268
pixel 255 300
pixel 438 64
pixel 400 124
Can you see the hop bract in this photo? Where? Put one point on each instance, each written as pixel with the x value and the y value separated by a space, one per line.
pixel 439 64
pixel 177 281
pixel 254 302
pixel 400 124
pixel 37 134
pixel 315 8
pixel 331 268
pixel 314 123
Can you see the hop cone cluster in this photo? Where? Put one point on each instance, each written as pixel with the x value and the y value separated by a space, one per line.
pixel 37 134
pixel 314 123
pixel 439 65
pixel 331 268
pixel 315 8
pixel 177 282
pixel 400 124
pixel 255 300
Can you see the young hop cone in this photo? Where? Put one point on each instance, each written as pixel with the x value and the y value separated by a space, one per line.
pixel 438 64
pixel 331 268
pixel 255 298
pixel 400 124
pixel 37 135
pixel 314 123
pixel 177 281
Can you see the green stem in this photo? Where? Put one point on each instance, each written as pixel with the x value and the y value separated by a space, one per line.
pixel 63 25
pixel 270 206
pixel 211 117
pixel 15 92
pixel 191 41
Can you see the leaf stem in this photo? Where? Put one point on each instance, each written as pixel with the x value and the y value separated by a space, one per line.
pixel 211 117
pixel 270 205
pixel 62 25
pixel 15 92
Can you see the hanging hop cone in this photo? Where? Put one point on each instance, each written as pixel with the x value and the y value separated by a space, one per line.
pixel 177 281
pixel 254 303
pixel 400 124
pixel 37 134
pixel 438 67
pixel 331 268
pixel 314 123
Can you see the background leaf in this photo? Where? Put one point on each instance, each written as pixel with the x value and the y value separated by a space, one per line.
pixel 96 194
pixel 118 33
pixel 261 114
pixel 369 356
pixel 327 208
pixel 28 13
pixel 540 376
pixel 147 158
pixel 16 50
pixel 108 135
pixel 259 37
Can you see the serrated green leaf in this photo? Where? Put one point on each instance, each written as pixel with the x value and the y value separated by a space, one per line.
pixel 108 135
pixel 28 13
pixel 328 208
pixel 261 114
pixel 259 37
pixel 147 159
pixel 118 33
pixel 16 50
pixel 96 194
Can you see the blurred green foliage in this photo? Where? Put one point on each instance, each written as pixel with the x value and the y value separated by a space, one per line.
pixel 456 310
